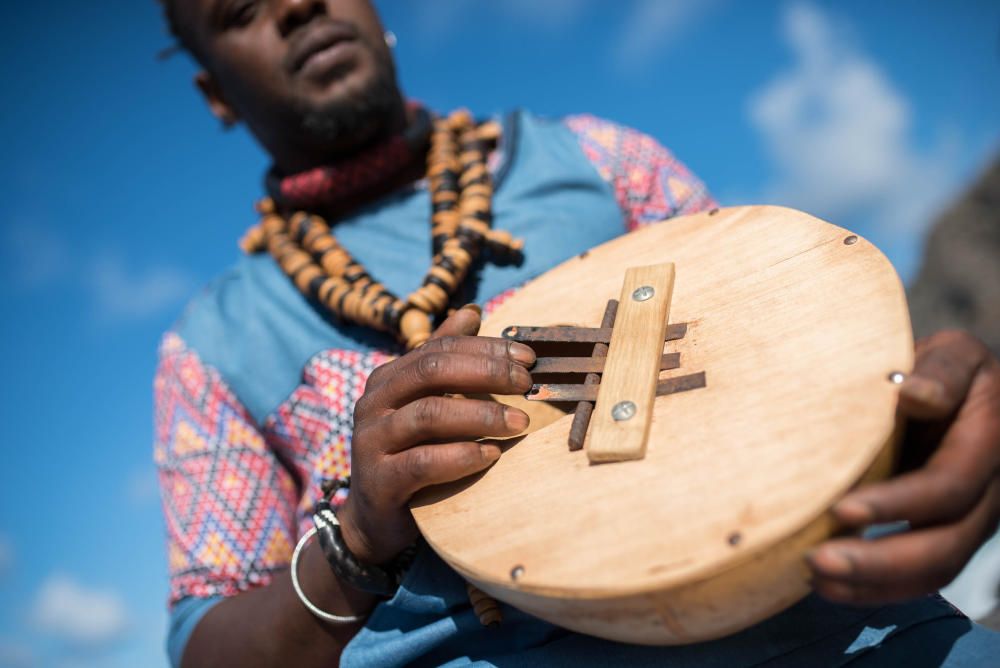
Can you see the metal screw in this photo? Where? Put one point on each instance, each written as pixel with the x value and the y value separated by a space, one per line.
pixel 516 572
pixel 851 240
pixel 623 410
pixel 897 377
pixel 643 293
pixel 735 538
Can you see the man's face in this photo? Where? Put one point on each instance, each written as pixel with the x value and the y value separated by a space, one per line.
pixel 306 76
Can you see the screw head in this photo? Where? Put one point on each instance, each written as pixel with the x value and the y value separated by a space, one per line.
pixel 516 572
pixel 897 377
pixel 851 240
pixel 643 293
pixel 623 410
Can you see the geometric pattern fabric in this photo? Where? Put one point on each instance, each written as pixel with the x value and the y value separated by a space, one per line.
pixel 650 184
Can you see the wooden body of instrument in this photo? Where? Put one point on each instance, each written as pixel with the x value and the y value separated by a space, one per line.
pixel 798 326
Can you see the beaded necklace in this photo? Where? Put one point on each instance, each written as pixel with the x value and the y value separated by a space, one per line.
pixel 461 193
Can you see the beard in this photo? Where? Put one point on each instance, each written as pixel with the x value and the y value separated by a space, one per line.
pixel 350 123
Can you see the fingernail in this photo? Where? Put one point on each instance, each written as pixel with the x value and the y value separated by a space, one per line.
pixel 831 561
pixel 515 419
pixel 520 377
pixel 924 390
pixel 852 511
pixel 474 307
pixel 522 353
pixel 490 453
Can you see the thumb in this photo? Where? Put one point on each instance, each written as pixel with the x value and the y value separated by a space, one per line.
pixel 463 322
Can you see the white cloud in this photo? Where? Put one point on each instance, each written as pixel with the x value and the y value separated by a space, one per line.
pixel 840 134
pixel 652 26
pixel 120 294
pixel 79 615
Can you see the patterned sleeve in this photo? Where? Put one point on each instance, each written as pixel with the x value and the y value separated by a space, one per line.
pixel 228 503
pixel 650 184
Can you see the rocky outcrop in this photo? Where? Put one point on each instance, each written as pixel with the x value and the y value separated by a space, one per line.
pixel 959 281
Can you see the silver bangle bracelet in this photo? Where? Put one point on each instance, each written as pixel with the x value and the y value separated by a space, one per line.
pixel 321 614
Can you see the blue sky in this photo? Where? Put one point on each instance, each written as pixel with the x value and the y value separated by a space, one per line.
pixel 122 195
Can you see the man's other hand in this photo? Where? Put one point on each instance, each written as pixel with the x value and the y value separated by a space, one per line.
pixel 951 500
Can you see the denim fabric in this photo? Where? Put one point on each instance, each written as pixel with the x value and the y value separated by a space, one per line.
pixel 430 622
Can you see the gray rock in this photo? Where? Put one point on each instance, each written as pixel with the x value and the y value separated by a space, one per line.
pixel 958 285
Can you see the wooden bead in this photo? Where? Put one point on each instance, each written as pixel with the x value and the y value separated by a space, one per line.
pixel 486 608
pixel 475 226
pixel 477 171
pixel 305 276
pixel 295 223
pixel 294 260
pixel 470 157
pixel 335 260
pixel 459 119
pixel 418 299
pixel 415 326
pixel 254 240
pixel 272 223
pixel 437 297
pixel 478 190
pixel 322 244
pixel 489 131
pixel 503 241
pixel 265 206
pixel 445 276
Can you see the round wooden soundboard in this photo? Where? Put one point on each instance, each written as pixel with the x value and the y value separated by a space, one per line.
pixel 798 326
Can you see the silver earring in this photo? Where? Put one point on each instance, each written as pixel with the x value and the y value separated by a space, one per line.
pixel 390 39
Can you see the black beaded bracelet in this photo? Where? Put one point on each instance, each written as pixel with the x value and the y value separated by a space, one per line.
pixel 377 580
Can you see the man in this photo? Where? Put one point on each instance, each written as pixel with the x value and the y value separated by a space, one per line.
pixel 257 388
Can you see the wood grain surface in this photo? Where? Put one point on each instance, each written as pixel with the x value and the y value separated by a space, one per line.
pixel 632 367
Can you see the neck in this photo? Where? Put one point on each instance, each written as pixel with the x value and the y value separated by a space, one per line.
pixel 352 179
pixel 308 152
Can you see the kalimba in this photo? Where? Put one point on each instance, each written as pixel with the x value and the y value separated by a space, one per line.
pixel 706 389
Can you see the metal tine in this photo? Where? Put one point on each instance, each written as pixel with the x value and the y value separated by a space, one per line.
pixel 581 416
pixel 591 364
pixel 577 334
pixel 580 392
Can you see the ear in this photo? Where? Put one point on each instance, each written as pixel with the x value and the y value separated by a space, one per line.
pixel 217 103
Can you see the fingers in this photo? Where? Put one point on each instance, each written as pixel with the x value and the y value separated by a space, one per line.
pixel 930 495
pixel 446 419
pixel 902 566
pixel 429 372
pixel 479 345
pixel 427 465
pixel 463 322
pixel 943 372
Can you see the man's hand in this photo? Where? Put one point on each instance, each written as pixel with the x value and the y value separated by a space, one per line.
pixel 408 434
pixel 952 501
